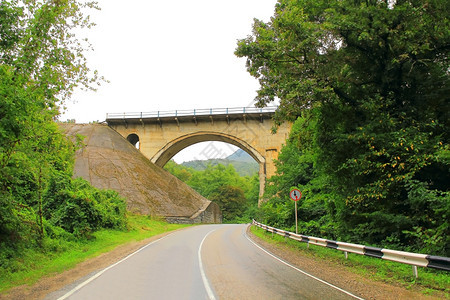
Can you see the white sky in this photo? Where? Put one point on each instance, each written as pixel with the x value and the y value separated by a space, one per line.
pixel 167 55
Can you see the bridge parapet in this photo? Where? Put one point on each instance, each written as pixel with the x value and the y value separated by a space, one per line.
pixel 190 114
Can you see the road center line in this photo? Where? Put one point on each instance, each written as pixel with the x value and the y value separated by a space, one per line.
pixel 208 288
pixel 303 272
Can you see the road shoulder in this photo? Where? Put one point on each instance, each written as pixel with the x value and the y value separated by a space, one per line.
pixel 51 284
pixel 337 275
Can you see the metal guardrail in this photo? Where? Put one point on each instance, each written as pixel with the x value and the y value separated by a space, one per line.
pixel 414 259
pixel 191 112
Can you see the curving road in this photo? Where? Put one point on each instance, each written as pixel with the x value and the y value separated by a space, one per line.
pixel 203 262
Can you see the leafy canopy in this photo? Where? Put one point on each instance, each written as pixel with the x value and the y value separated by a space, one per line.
pixel 369 79
pixel 41 62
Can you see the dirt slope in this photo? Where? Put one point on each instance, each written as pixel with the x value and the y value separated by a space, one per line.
pixel 109 161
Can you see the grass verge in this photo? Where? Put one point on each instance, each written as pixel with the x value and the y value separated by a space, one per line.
pixel 60 255
pixel 430 281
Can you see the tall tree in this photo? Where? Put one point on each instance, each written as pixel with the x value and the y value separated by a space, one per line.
pixel 41 62
pixel 375 76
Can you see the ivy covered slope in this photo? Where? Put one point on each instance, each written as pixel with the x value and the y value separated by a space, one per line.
pixel 41 62
pixel 367 85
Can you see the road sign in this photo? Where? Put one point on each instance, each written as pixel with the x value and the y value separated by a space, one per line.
pixel 295 194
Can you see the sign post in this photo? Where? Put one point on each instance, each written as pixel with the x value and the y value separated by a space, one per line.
pixel 295 195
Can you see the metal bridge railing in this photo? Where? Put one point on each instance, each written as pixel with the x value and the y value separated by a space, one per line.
pixel 414 259
pixel 191 112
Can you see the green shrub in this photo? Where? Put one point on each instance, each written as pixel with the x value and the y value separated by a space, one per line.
pixel 80 209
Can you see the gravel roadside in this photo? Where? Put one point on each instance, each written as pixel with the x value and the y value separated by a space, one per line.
pixel 335 274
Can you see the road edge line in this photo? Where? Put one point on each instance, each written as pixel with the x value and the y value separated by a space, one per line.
pixel 81 285
pixel 208 288
pixel 301 271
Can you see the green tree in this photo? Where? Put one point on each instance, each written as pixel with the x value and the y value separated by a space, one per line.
pixel 41 62
pixel 231 200
pixel 237 196
pixel 374 79
pixel 181 172
pixel 296 168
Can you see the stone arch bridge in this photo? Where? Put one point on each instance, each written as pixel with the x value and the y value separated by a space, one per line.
pixel 163 134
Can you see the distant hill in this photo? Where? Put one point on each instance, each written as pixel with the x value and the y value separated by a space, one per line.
pixel 244 164
pixel 241 155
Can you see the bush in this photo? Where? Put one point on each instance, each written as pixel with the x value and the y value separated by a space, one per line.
pixel 80 209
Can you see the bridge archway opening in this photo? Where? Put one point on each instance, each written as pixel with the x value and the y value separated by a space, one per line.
pixel 133 139
pixel 204 151
pixel 175 146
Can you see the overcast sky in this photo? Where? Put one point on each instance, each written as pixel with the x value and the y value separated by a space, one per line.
pixel 168 55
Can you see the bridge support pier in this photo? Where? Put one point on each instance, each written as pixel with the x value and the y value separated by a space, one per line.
pixel 262 182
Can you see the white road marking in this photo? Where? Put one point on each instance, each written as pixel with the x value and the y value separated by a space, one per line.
pixel 303 272
pixel 70 293
pixel 208 288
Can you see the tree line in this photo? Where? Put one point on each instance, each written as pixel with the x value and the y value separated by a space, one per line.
pixel 237 196
pixel 366 86
pixel 41 62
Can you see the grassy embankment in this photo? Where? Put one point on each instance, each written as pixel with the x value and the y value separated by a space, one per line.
pixel 430 281
pixel 63 255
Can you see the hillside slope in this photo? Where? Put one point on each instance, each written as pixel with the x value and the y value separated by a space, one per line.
pixel 242 162
pixel 108 161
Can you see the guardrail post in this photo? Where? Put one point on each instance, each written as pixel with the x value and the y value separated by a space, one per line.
pixel 415 272
pixel 346 254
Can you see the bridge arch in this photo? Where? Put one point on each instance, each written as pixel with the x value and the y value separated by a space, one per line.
pixel 173 147
pixel 162 134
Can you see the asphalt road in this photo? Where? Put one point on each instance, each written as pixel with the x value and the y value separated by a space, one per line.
pixel 203 262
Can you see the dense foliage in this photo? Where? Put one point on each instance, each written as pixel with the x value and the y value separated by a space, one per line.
pixel 41 62
pixel 367 85
pixel 236 195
